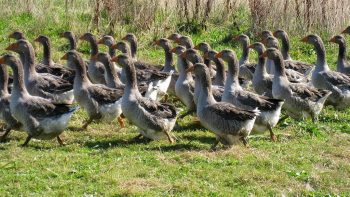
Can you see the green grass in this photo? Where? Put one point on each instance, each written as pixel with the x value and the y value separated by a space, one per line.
pixel 308 159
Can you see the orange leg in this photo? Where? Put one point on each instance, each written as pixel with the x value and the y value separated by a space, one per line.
pixel 121 122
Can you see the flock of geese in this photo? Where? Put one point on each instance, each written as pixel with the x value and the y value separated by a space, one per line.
pixel 40 97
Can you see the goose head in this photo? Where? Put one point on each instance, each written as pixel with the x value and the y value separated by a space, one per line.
pixel 203 47
pixel 123 47
pixel 163 42
pixel 271 42
pixel 74 60
pixel 338 39
pixel 17 35
pixel 19 47
pixel 178 50
pixel 280 34
pixel 67 34
pixel 211 55
pixel 185 41
pixel 106 40
pixel 192 56
pixel 258 47
pixel 226 55
pixel 130 37
pixel 264 34
pixel 312 39
pixel 243 39
pixel 42 39
pixel 104 58
pixel 346 31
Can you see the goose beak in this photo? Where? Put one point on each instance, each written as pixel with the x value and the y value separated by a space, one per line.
pixel 82 37
pixel 114 59
pixel 2 60
pixel 100 41
pixel 274 33
pixel 12 47
pixel 190 69
pixel 177 40
pixel 36 39
pixel 183 55
pixel 61 35
pixel 196 47
pixel 124 38
pixel 173 50
pixel 156 42
pixel 304 39
pixel 219 55
pixel 332 39
pixel 251 46
pixel 11 36
pixel 344 31
pixel 114 46
pixel 65 57
pixel 264 55
pixel 206 56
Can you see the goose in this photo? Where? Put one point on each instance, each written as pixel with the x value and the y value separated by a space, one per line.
pixel 95 69
pixel 41 84
pixel 270 108
pixel 40 117
pixel 293 76
pixel 146 74
pixel 110 42
pixel 184 87
pixel 55 69
pixel 204 48
pixel 220 77
pixel 185 41
pixel 229 123
pixel 343 65
pixel 168 65
pixel 324 78
pixel 247 68
pixel 132 40
pixel 301 67
pixel 262 81
pixel 100 102
pixel 301 101
pixel 71 38
pixel 265 34
pixel 113 81
pixel 5 97
pixel 154 119
pixel 17 35
pixel 193 56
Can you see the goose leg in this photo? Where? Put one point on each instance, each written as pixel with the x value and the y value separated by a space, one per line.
pixel 60 141
pixel 121 122
pixel 245 141
pixel 4 136
pixel 165 98
pixel 27 141
pixel 273 137
pixel 87 124
pixel 171 140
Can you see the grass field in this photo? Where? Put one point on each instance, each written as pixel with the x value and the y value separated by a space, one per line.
pixel 307 160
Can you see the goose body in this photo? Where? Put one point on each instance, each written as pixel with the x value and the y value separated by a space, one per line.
pixel 44 85
pixel 40 118
pixel 154 119
pixel 100 102
pixel 301 101
pixel 229 123
pixel 270 108
pixel 324 78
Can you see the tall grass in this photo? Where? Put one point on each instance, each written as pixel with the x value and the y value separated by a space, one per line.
pixel 164 16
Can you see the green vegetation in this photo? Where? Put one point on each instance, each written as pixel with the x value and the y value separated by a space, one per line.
pixel 309 159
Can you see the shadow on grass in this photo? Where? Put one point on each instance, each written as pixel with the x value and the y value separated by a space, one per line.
pixel 176 147
pixel 187 127
pixel 202 139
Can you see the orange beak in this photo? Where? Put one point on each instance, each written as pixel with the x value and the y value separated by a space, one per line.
pixel 274 34
pixel 304 39
pixel 12 47
pixel 183 55
pixel 114 59
pixel 177 40
pixel 264 55
pixel 100 41
pixel 344 31
pixel 219 55
pixel 2 60
pixel 114 46
pixel 124 38
pixel 156 42
pixel 173 50
pixel 36 39
pixel 82 37
pixel 236 38
pixel 65 57
pixel 190 69
pixel 332 39
pixel 206 56
pixel 61 35
pixel 251 46
pixel 196 47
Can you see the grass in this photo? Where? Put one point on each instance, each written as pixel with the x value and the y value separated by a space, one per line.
pixel 308 159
